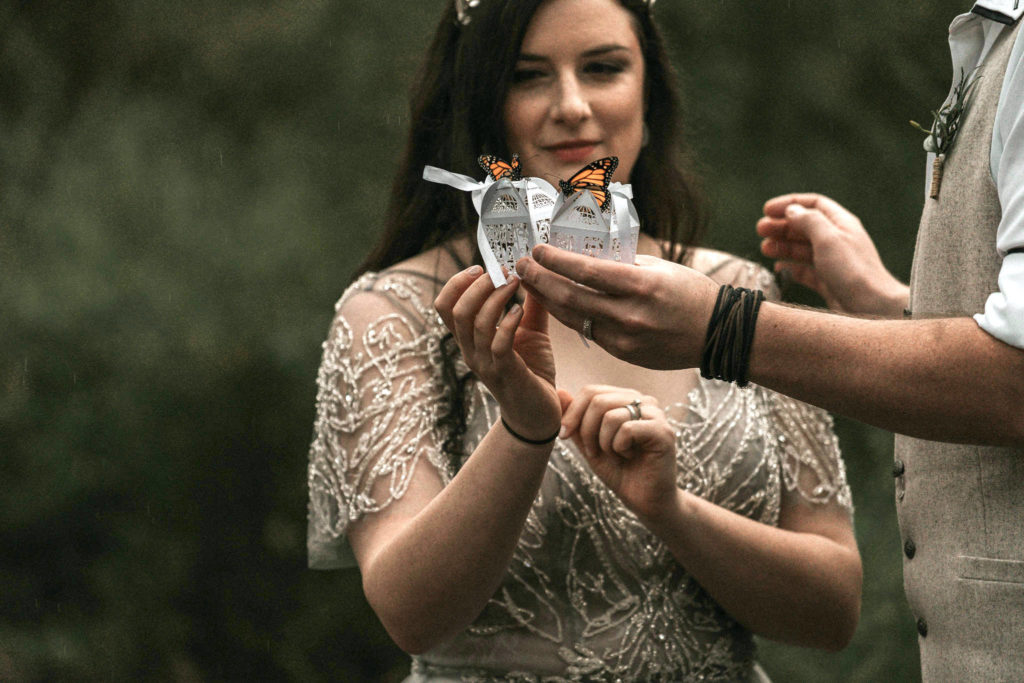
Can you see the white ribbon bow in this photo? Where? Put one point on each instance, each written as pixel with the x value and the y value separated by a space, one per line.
pixel 478 189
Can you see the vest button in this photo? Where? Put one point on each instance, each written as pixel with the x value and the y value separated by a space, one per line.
pixel 898 468
pixel 909 549
pixel 922 626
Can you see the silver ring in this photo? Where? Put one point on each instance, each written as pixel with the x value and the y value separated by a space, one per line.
pixel 634 409
pixel 588 328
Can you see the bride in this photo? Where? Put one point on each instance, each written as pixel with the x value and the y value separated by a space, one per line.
pixel 522 507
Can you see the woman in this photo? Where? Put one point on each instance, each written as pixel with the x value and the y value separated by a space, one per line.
pixel 677 517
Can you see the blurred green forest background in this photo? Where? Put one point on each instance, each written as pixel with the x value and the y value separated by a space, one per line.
pixel 185 189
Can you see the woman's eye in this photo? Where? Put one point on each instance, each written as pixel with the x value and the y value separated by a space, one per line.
pixel 524 75
pixel 604 68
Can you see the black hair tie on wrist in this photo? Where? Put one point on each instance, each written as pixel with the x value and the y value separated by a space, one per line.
pixel 730 335
pixel 532 442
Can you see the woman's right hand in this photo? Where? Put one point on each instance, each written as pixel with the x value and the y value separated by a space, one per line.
pixel 635 457
pixel 510 352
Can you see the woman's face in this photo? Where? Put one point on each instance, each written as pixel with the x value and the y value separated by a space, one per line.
pixel 578 90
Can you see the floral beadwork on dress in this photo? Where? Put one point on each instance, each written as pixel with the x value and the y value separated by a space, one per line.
pixel 590 594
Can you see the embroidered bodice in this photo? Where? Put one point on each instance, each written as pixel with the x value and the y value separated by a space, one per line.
pixel 590 594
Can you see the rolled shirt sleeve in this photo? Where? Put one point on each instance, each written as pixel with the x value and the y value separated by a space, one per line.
pixel 1004 310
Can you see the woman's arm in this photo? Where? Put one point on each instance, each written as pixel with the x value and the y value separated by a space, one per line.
pixel 799 583
pixel 432 559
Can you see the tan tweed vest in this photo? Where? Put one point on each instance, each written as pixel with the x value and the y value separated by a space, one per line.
pixel 961 508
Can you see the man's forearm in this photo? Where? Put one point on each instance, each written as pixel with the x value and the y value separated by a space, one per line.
pixel 943 379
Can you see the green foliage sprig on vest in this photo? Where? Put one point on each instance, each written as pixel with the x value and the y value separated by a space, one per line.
pixel 945 125
pixel 946 120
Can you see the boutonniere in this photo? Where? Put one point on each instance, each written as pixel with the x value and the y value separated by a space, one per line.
pixel 945 126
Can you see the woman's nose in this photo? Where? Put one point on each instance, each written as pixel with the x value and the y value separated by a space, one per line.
pixel 571 106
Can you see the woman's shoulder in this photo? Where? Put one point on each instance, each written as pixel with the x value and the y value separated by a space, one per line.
pixel 729 269
pixel 406 289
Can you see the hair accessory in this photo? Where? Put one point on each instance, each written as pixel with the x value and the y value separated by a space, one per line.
pixel 532 442
pixel 462 8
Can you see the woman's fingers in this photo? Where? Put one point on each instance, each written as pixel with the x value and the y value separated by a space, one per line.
pixel 620 429
pixel 466 310
pixel 606 412
pixel 474 311
pixel 612 422
pixel 590 424
pixel 453 291
pixel 634 436
pixel 622 440
pixel 505 334
pixel 573 415
pixel 485 322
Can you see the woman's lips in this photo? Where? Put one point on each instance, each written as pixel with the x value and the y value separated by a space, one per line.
pixel 575 152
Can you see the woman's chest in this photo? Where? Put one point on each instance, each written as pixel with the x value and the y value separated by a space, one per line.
pixel 579 364
pixel 726 452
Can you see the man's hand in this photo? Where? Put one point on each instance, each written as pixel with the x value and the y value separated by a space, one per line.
pixel 825 247
pixel 654 313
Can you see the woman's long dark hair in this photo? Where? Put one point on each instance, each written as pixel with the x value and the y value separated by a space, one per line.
pixel 457 109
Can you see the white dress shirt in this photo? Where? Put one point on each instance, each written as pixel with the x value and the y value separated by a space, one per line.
pixel 970 38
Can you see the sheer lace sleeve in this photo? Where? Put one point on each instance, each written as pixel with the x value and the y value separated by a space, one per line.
pixel 808 451
pixel 809 458
pixel 379 394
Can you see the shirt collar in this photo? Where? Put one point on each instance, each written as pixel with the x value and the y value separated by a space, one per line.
pixel 1003 11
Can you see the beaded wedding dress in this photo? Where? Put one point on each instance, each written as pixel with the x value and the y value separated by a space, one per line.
pixel 590 594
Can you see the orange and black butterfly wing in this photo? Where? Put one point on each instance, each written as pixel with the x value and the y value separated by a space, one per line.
pixel 595 178
pixel 498 168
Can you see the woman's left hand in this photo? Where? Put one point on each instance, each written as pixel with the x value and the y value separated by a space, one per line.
pixel 635 458
pixel 510 353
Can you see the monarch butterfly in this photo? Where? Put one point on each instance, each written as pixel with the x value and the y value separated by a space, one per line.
pixel 499 169
pixel 594 177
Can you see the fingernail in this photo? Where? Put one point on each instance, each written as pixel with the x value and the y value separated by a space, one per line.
pixel 515 310
pixel 563 432
pixel 474 270
pixel 523 266
pixel 794 210
pixel 510 278
pixel 538 252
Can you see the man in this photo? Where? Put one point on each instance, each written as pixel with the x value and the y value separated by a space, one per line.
pixel 950 385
